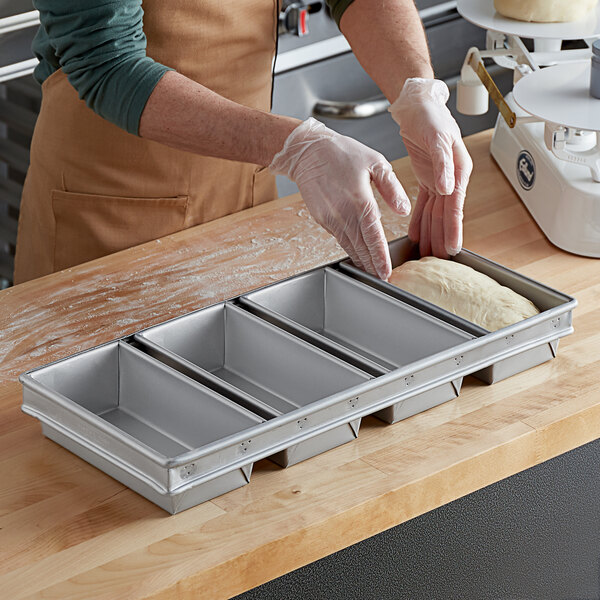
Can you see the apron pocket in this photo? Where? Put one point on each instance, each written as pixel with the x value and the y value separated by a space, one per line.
pixel 263 186
pixel 88 226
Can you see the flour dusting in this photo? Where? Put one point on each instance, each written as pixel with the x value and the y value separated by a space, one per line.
pixel 98 302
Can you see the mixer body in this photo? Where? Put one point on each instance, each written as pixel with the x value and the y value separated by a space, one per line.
pixel 561 196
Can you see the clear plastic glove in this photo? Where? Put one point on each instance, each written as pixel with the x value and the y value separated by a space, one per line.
pixel 440 161
pixel 334 174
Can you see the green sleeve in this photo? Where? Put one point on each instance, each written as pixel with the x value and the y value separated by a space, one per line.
pixel 101 47
pixel 337 8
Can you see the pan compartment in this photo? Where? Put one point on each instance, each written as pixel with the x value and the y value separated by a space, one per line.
pixel 362 327
pixel 129 415
pixel 258 366
pixel 555 313
pixel 352 321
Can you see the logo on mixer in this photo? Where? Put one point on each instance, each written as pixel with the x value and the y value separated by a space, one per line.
pixel 526 170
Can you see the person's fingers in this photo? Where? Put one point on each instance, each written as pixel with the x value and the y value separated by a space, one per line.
pixel 425 235
pixel 347 232
pixel 363 254
pixel 463 164
pixel 437 226
pixel 453 205
pixel 374 238
pixel 414 228
pixel 453 216
pixel 352 227
pixel 348 247
pixel 443 166
pixel 390 188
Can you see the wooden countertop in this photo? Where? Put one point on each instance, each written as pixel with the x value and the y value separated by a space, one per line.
pixel 69 531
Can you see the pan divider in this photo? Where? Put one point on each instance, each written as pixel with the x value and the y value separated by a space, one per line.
pixel 252 388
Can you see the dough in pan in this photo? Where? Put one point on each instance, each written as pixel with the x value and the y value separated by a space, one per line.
pixel 545 11
pixel 463 291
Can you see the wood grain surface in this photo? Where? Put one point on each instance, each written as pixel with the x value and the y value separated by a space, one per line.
pixel 68 531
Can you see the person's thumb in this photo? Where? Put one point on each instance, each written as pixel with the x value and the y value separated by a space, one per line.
pixel 390 188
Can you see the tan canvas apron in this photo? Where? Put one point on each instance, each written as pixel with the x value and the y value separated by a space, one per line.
pixel 93 189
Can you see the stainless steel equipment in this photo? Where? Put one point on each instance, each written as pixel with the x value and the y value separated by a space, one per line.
pixel 181 411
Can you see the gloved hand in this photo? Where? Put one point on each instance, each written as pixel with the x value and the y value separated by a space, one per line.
pixel 440 161
pixel 334 174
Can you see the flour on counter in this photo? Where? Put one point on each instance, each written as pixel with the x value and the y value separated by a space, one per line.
pixel 153 290
pixel 104 306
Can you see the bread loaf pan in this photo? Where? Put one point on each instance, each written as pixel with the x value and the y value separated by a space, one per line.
pixel 359 325
pixel 509 350
pixel 134 417
pixel 257 365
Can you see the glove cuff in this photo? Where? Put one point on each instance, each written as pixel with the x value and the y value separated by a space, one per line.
pixel 296 144
pixel 417 90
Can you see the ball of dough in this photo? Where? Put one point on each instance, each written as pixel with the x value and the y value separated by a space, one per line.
pixel 545 11
pixel 463 291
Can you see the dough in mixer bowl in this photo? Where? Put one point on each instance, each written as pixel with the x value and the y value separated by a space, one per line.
pixel 545 11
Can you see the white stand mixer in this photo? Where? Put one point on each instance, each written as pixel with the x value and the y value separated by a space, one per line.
pixel 547 136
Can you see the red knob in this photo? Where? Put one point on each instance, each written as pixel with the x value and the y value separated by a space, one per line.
pixel 303 22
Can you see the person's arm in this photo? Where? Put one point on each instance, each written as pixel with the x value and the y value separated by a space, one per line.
pixel 100 44
pixel 101 47
pixel 389 41
pixel 186 115
pixel 333 172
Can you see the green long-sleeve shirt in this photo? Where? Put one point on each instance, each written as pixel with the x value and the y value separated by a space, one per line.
pixel 101 47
